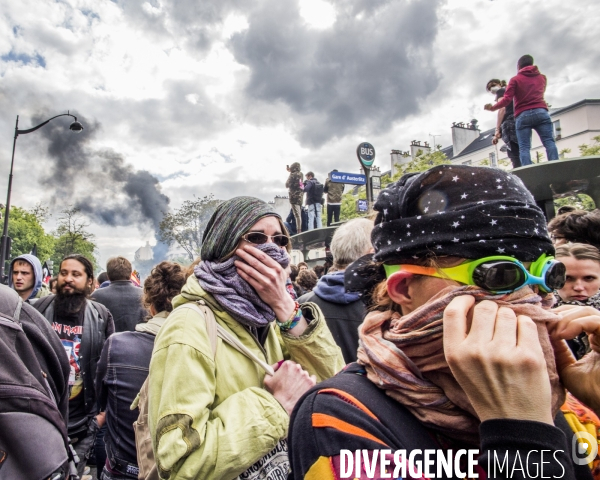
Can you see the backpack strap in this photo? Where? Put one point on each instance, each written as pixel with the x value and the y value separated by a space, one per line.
pixel 17 312
pixel 215 330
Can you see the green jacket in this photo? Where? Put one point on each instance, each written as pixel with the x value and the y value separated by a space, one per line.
pixel 334 191
pixel 211 418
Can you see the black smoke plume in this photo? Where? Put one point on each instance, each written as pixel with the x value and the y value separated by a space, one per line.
pixel 100 183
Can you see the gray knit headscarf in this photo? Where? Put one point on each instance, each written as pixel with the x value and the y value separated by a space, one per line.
pixel 232 219
pixel 218 275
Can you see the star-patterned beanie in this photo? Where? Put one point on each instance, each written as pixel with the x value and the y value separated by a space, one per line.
pixel 461 211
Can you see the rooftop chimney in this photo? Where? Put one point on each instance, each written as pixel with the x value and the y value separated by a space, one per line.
pixel 463 134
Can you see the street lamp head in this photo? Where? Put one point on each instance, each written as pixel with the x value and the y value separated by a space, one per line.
pixel 76 127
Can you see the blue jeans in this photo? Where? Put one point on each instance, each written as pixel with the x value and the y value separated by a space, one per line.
pixel 314 213
pixel 537 119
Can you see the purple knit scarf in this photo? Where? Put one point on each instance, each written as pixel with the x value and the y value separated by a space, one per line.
pixel 236 295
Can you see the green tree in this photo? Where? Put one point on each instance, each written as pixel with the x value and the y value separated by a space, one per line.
pixel 348 207
pixel 581 201
pixel 186 225
pixel 72 237
pixel 26 231
pixel 422 161
pixel 586 150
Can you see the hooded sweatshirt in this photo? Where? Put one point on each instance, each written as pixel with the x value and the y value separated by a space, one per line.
pixel 527 89
pixel 38 290
pixel 343 311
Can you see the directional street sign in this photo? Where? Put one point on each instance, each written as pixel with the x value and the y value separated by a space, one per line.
pixel 351 178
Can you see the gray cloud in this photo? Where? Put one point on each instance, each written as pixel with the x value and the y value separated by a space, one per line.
pixel 368 70
pixel 99 182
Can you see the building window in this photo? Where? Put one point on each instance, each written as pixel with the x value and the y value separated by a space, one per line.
pixel 493 159
pixel 468 162
pixel 557 129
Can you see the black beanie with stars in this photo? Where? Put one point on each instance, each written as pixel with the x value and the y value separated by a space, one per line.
pixel 461 211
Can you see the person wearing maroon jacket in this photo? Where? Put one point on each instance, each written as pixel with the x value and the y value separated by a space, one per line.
pixel 531 111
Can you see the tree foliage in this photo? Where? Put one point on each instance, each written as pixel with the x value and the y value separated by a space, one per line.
pixel 586 150
pixel 348 207
pixel 580 201
pixel 72 237
pixel 26 231
pixel 186 225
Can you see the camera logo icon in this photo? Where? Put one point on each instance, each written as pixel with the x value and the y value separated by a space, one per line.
pixel 585 448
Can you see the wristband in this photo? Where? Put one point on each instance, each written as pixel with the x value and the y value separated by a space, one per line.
pixel 293 320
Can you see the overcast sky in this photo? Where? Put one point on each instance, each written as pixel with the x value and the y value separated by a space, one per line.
pixel 187 97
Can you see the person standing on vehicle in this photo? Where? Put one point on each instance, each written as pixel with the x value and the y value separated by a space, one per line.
pixel 295 193
pixel 314 201
pixel 531 110
pixel 334 193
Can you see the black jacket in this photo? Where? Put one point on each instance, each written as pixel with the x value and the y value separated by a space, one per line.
pixel 124 302
pixel 97 327
pixel 343 321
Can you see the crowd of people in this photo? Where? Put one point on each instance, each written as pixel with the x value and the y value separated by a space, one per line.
pixel 429 328
pixel 306 195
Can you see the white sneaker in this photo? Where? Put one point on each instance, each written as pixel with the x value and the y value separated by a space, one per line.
pixel 87 470
pixel 86 477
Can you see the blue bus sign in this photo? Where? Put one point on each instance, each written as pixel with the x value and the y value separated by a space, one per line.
pixel 366 154
pixel 351 178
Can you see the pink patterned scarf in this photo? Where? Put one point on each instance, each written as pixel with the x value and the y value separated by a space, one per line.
pixel 404 355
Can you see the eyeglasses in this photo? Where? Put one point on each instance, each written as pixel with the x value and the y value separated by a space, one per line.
pixel 258 238
pixel 497 274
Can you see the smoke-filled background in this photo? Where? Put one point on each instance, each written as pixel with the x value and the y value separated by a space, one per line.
pixel 189 98
pixel 100 183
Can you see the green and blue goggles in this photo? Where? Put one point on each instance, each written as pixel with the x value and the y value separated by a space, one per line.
pixel 497 274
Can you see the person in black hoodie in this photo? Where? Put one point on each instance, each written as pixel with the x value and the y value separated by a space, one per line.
pixel 454 346
pixel 343 311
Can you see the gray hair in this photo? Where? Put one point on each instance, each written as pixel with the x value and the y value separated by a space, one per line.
pixel 350 242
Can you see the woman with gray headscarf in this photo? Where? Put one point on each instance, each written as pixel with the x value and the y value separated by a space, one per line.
pixel 217 415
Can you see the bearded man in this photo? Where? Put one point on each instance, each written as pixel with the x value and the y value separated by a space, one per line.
pixel 83 326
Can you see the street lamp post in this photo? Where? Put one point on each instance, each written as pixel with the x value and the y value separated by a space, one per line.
pixel 75 127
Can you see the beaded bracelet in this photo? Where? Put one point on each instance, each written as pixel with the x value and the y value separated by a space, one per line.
pixel 293 320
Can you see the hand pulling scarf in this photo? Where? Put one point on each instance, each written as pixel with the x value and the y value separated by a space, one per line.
pixel 233 293
pixel 404 355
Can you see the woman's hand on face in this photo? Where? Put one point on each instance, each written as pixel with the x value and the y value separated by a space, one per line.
pixel 582 377
pixel 497 360
pixel 268 278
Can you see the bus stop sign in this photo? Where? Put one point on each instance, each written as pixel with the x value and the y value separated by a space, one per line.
pixel 366 155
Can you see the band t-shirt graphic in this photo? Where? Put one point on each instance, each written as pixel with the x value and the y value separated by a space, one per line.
pixel 70 331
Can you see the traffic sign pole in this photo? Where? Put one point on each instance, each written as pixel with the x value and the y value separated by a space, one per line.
pixel 366 156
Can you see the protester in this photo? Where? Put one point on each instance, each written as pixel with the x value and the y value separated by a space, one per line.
pixel 578 226
pixel 314 201
pixel 123 368
pixel 121 297
pixel 35 394
pixel 582 284
pixel 306 280
pixel 302 266
pixel 334 193
pixel 82 325
pixel 458 339
pixel 213 414
pixel 530 109
pixel 103 280
pixel 295 187
pixel 343 311
pixel 52 285
pixel 293 276
pixel 319 270
pixel 25 277
pixel 290 222
pixel 505 125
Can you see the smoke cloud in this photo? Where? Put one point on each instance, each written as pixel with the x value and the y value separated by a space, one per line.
pixel 100 183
